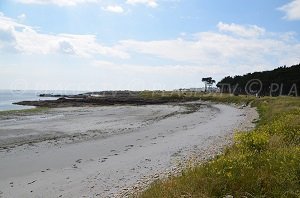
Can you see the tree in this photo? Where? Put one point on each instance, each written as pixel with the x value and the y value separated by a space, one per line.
pixel 208 82
pixel 280 81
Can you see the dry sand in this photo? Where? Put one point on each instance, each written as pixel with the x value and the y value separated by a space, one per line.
pixel 108 151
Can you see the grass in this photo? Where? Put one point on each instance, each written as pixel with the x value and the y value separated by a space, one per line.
pixel 23 111
pixel 192 96
pixel 262 163
pixel 170 96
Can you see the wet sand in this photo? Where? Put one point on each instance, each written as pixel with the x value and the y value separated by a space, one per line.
pixel 108 151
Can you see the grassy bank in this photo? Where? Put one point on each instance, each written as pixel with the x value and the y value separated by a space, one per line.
pixel 262 163
pixel 23 111
pixel 171 96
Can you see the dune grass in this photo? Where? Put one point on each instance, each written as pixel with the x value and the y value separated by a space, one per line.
pixel 262 163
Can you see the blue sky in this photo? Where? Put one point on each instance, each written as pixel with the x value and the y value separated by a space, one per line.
pixel 142 44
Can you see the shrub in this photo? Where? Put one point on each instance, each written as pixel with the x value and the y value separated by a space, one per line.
pixel 262 163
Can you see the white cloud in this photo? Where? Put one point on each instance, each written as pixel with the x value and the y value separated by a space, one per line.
pixel 26 39
pixel 7 39
pixel 150 3
pixel 292 10
pixel 239 30
pixel 158 69
pixel 141 77
pixel 114 8
pixel 173 63
pixel 58 2
pixel 66 47
pixel 22 17
pixel 7 34
pixel 233 54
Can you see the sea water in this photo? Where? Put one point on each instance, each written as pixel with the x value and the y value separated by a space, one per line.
pixel 8 97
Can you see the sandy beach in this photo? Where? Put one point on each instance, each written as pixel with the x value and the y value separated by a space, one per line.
pixel 109 151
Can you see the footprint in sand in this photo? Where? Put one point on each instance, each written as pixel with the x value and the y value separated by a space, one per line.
pixel 75 166
pixel 103 159
pixel 32 182
pixel 128 147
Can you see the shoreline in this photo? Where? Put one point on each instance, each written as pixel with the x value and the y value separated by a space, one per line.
pixel 196 156
pixel 83 162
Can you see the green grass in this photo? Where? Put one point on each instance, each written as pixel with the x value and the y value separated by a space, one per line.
pixel 262 163
pixel 170 96
pixel 191 96
pixel 24 111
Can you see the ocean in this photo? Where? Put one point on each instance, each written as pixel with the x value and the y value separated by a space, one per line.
pixel 8 97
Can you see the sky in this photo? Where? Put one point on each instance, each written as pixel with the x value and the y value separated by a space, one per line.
pixel 142 44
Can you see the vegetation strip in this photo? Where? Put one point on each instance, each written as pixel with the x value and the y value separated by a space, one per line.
pixel 262 163
pixel 23 111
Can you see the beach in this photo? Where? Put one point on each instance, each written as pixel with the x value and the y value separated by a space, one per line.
pixel 110 151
